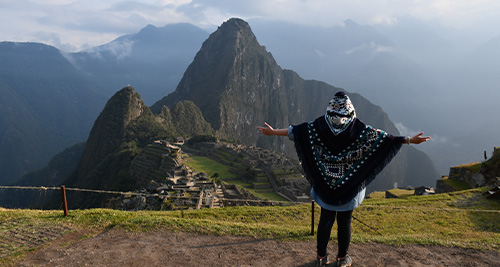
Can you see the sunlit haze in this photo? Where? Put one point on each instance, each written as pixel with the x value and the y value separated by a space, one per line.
pixel 75 25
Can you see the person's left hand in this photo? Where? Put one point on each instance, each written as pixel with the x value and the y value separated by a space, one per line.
pixel 417 139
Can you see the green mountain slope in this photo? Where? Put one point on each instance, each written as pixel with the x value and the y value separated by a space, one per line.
pixel 52 175
pixel 46 106
pixel 122 130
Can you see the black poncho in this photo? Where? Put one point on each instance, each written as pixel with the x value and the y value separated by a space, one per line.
pixel 339 166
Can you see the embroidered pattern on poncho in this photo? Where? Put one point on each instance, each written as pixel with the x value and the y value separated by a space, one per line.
pixel 339 167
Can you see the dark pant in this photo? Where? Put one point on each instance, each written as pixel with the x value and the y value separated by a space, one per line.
pixel 326 221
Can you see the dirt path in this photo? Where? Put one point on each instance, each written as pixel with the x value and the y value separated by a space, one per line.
pixel 162 248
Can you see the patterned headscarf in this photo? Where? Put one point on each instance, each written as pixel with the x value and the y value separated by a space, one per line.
pixel 340 113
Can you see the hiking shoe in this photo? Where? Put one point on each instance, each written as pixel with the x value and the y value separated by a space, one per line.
pixel 322 262
pixel 345 262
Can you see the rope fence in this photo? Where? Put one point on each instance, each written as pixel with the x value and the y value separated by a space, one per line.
pixel 65 205
pixel 229 199
pixel 145 194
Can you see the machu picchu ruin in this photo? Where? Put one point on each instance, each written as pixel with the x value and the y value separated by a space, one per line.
pixel 473 175
pixel 171 184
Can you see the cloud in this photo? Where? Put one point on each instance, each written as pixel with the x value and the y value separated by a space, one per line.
pixel 95 22
pixel 372 47
pixel 437 139
pixel 330 13
pixel 441 140
pixel 54 40
pixel 120 49
pixel 403 130
pixel 82 23
pixel 319 53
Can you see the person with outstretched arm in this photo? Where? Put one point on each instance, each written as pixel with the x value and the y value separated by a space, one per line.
pixel 340 156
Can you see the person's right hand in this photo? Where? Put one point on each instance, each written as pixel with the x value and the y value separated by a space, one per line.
pixel 268 130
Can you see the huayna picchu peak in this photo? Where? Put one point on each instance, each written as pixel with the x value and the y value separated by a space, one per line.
pixel 225 63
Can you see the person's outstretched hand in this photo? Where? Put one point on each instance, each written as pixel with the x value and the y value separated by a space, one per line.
pixel 268 130
pixel 417 139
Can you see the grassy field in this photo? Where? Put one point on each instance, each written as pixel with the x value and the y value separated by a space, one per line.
pixel 267 195
pixel 210 166
pixel 462 219
pixel 402 193
pixel 456 185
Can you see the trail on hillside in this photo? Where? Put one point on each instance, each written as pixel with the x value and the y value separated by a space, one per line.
pixel 164 248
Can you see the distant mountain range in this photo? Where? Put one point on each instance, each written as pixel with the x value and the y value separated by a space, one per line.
pixel 237 85
pixel 153 60
pixel 46 105
pixel 50 99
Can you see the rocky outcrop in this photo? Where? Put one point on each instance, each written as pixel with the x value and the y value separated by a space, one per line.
pixel 185 119
pixel 109 129
pixel 443 187
pixel 470 177
pixel 156 161
pixel 491 168
pixel 473 175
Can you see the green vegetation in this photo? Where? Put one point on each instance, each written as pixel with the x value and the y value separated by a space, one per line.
pixel 240 183
pixel 267 195
pixel 284 171
pixel 209 166
pixel 187 120
pixel 462 219
pixel 377 195
pixel 212 167
pixel 455 184
pixel 491 168
pixel 473 167
pixel 402 193
pixel 201 138
pixel 146 129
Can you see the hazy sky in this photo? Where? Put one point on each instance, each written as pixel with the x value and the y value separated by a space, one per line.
pixel 72 25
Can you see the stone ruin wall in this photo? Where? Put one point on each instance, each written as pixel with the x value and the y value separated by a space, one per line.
pixel 469 177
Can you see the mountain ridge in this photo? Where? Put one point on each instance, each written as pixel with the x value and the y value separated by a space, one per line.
pixel 152 59
pixel 46 106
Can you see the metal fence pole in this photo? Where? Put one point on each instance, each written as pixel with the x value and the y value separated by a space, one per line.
pixel 65 204
pixel 312 217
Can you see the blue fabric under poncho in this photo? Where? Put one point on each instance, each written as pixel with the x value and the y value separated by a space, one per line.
pixel 340 164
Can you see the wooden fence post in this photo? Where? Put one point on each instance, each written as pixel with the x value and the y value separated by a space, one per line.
pixel 312 217
pixel 65 204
